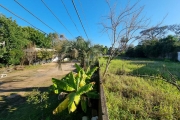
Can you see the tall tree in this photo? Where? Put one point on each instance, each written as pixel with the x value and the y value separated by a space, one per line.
pixel 37 37
pixel 17 38
pixel 162 48
pixel 12 35
pixel 122 26
pixel 54 38
pixel 153 33
pixel 175 28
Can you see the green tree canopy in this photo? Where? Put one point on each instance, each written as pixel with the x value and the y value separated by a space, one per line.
pixel 12 34
pixel 17 38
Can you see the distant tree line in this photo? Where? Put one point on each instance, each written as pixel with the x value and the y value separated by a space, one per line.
pixel 156 43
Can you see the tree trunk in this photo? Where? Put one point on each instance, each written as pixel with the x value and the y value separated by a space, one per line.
pixel 107 66
pixel 60 65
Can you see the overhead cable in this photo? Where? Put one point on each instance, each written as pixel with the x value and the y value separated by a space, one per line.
pixel 83 13
pixel 79 18
pixel 70 16
pixel 22 19
pixel 57 18
pixel 34 15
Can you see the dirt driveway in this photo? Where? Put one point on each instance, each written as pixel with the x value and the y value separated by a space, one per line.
pixel 20 82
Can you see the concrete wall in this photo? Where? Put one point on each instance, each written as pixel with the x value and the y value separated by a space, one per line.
pixel 102 108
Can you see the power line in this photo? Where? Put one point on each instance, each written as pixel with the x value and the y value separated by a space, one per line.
pixel 70 16
pixel 22 18
pixel 79 18
pixel 83 13
pixel 57 18
pixel 34 16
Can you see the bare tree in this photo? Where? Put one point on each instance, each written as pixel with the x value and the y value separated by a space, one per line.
pixel 175 28
pixel 30 52
pixel 121 27
pixel 154 33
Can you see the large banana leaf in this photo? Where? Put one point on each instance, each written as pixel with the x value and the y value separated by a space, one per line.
pixel 85 88
pixel 62 85
pixel 72 81
pixel 86 74
pixel 90 72
pixel 77 80
pixel 88 69
pixel 79 77
pixel 74 100
pixel 62 106
pixel 78 68
pixel 83 77
pixel 76 84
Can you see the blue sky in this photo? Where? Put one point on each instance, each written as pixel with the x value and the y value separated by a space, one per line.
pixel 90 11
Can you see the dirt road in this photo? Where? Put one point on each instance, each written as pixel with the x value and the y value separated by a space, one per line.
pixel 20 82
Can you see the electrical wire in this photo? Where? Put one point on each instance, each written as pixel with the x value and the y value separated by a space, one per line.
pixel 22 19
pixel 79 18
pixel 70 16
pixel 57 18
pixel 83 13
pixel 34 15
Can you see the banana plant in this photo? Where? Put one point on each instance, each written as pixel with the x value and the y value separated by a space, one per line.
pixel 78 86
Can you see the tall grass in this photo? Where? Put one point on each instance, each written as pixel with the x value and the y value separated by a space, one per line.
pixel 131 97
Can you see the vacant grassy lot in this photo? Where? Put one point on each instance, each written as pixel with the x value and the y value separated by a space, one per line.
pixel 140 89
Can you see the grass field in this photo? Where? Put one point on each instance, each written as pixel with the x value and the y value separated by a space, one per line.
pixel 135 90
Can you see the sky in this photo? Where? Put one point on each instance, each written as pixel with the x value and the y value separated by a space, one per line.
pixel 91 13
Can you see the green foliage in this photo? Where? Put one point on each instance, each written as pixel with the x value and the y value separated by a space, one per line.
pixel 132 97
pixel 20 110
pixel 81 50
pixel 162 48
pixel 38 98
pixel 62 85
pixel 12 35
pixel 77 86
pixel 36 37
pixel 17 38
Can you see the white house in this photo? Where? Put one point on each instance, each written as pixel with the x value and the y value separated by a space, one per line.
pixel 41 49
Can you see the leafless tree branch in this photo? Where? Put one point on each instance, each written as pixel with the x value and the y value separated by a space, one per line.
pixel 123 27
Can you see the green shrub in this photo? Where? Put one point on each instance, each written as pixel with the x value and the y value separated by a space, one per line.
pixel 141 98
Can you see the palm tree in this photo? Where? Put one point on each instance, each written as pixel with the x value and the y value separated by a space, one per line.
pixel 81 50
pixel 65 51
pixel 92 55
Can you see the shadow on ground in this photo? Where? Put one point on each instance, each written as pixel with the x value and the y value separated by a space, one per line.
pixel 14 106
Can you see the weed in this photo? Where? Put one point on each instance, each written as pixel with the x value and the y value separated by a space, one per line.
pixel 39 99
pixel 130 96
